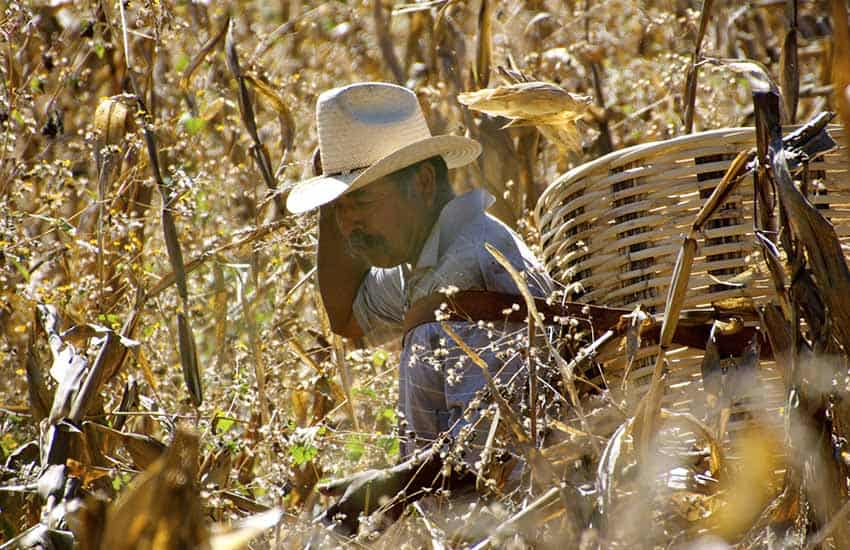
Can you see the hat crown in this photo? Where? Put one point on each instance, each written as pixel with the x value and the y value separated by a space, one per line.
pixel 360 124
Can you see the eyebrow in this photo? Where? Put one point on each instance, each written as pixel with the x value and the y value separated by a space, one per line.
pixel 358 195
pixel 365 193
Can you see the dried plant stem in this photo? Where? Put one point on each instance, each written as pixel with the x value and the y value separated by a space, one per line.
pixel 533 316
pixel 220 312
pixel 345 378
pixel 126 43
pixel 606 143
pixel 256 351
pixel 676 297
pixel 339 355
pixel 258 150
pixel 167 280
pixel 509 526
pixel 789 68
pixel 199 57
pixel 674 303
pixel 541 467
pixel 385 42
pixel 186 340
pixel 567 373
pixel 693 68
pixel 484 45
pixel 841 64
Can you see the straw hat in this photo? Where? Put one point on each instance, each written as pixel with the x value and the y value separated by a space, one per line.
pixel 367 131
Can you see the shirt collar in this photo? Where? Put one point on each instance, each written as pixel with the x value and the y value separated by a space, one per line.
pixel 455 214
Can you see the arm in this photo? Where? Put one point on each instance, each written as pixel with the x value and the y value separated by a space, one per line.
pixel 340 276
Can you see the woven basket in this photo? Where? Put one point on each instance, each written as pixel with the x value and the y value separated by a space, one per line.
pixel 616 225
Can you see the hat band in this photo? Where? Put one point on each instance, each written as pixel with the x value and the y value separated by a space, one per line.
pixel 346 172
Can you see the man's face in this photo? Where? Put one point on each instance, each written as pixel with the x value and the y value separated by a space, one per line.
pixel 379 223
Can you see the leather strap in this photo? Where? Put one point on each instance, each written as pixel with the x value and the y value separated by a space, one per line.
pixel 482 305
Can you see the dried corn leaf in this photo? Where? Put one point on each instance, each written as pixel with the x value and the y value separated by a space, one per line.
pixel 202 54
pixel 550 108
pixel 143 449
pixel 69 366
pixel 162 507
pixel 238 535
pixel 285 119
pixel 756 73
pixel 401 9
pixel 111 121
pixel 85 473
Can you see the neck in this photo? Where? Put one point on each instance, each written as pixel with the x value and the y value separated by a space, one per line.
pixel 423 229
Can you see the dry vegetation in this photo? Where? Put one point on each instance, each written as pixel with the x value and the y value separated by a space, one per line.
pixel 146 151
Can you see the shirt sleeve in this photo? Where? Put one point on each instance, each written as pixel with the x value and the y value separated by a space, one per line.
pixel 379 305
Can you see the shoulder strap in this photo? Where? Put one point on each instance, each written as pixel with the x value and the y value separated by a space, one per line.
pixel 484 305
pixel 693 329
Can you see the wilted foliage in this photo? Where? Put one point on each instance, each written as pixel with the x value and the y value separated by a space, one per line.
pixel 150 280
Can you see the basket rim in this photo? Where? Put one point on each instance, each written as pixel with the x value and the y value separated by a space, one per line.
pixel 637 151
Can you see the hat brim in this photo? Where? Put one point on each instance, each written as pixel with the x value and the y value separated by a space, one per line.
pixel 456 151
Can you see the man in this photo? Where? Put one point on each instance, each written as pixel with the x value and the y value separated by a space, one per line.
pixel 392 236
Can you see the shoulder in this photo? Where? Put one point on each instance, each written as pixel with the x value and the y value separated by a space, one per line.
pixel 505 240
pixel 516 251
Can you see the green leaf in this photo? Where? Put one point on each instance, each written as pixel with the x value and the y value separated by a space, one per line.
pixel 21 269
pixel 362 391
pixel 99 50
pixel 36 85
pixel 112 320
pixel 355 447
pixel 193 124
pixel 390 444
pixel 302 454
pixel 222 424
pixel 379 358
pixel 389 414
pixel 7 444
pixel 182 63
pixel 121 480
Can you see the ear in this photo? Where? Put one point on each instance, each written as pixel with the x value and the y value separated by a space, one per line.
pixel 426 184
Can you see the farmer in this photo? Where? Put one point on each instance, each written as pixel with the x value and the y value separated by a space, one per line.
pixel 392 236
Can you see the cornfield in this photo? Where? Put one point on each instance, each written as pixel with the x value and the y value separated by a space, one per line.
pixel 169 376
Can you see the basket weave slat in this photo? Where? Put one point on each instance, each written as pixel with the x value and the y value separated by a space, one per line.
pixel 616 226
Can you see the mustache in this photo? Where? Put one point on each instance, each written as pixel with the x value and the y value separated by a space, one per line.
pixel 359 242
